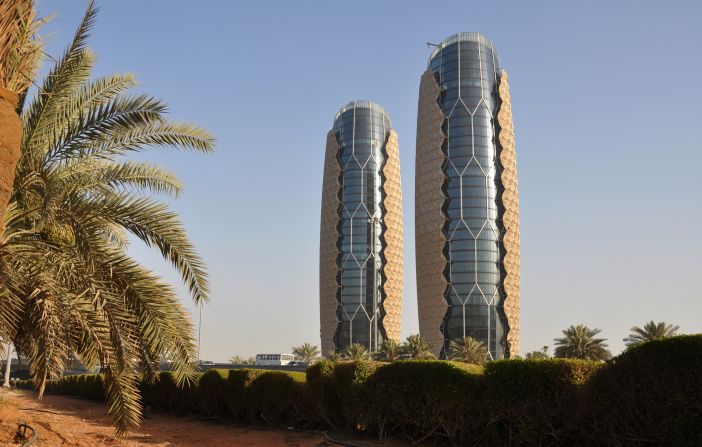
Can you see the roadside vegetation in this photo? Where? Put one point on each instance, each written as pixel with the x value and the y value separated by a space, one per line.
pixel 557 402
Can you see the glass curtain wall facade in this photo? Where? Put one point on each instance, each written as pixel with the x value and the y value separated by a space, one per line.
pixel 361 132
pixel 466 68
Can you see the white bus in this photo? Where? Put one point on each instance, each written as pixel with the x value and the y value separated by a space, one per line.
pixel 274 359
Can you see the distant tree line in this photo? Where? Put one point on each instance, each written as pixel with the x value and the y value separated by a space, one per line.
pixel 578 342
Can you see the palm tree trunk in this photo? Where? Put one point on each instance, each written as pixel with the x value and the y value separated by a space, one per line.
pixel 8 366
pixel 10 140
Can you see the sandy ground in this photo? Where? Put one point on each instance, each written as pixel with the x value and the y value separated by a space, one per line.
pixel 66 421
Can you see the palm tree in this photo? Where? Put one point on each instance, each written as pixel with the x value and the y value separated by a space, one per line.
pixel 580 343
pixel 69 286
pixel 20 55
pixel 237 360
pixel 307 352
pixel 356 352
pixel 333 356
pixel 650 331
pixel 389 351
pixel 538 355
pixel 416 347
pixel 468 350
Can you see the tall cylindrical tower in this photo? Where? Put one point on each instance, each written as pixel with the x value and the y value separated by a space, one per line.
pixel 361 231
pixel 467 216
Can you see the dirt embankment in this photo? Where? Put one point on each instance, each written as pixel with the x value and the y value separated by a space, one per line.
pixel 65 421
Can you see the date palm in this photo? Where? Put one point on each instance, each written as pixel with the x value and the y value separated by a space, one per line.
pixel 356 351
pixel 650 331
pixel 238 360
pixel 468 350
pixel 333 356
pixel 69 287
pixel 307 352
pixel 416 347
pixel 389 351
pixel 538 355
pixel 579 342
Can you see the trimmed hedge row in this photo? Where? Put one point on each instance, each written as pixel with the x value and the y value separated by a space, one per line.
pixel 649 395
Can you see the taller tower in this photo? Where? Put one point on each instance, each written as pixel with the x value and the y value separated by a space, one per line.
pixel 360 265
pixel 466 202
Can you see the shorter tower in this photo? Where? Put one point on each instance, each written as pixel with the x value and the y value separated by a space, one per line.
pixel 360 259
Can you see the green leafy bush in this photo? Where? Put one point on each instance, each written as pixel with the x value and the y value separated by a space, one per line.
pixel 533 400
pixel 275 398
pixel 319 392
pixel 337 393
pixel 420 399
pixel 649 395
pixel 214 393
pixel 165 394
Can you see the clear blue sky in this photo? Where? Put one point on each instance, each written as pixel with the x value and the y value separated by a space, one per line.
pixel 606 101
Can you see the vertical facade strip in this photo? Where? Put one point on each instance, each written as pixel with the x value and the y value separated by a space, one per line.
pixel 430 219
pixel 510 218
pixel 329 285
pixel 392 240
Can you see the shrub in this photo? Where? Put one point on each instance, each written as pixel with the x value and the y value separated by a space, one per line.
pixel 275 398
pixel 90 386
pixel 534 401
pixel 214 394
pixel 319 391
pixel 164 394
pixel 420 399
pixel 337 394
pixel 238 381
pixel 651 394
pixel 24 384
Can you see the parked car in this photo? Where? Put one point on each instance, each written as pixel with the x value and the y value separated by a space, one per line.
pixel 299 364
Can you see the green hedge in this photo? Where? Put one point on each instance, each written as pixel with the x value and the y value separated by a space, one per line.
pixel 533 400
pixel 336 393
pixel 164 394
pixel 275 398
pixel 417 399
pixel 650 395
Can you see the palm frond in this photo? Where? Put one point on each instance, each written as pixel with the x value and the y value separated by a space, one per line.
pixel 155 225
pixel 55 93
pixel 20 46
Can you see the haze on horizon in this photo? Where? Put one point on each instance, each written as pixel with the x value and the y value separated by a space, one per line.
pixel 605 99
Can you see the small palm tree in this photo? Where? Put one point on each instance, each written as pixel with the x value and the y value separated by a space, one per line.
pixel 307 352
pixel 468 350
pixel 333 356
pixel 650 331
pixel 356 352
pixel 416 347
pixel 237 360
pixel 580 343
pixel 389 351
pixel 538 355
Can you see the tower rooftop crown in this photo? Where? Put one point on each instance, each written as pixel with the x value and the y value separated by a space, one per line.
pixel 462 37
pixel 363 104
